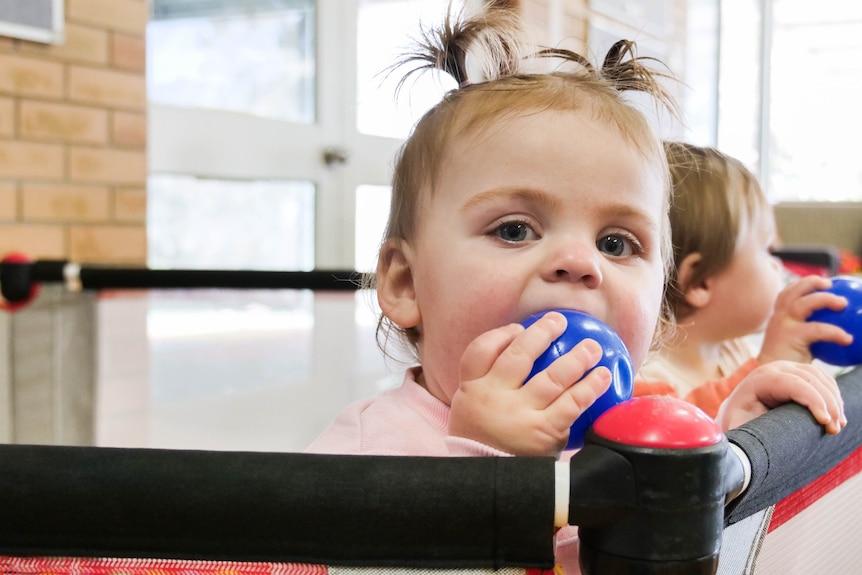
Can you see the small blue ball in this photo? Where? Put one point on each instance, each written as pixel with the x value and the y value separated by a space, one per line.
pixel 615 357
pixel 849 319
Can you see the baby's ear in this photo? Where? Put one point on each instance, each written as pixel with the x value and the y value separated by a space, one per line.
pixel 395 293
pixel 695 293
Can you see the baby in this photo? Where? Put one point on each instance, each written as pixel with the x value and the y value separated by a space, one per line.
pixel 725 286
pixel 519 192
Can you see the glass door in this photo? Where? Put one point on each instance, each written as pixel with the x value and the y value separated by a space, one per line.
pixel 271 142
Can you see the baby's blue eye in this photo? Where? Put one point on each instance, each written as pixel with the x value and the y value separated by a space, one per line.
pixel 513 232
pixel 612 245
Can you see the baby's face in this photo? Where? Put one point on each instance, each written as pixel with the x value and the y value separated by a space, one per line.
pixel 744 292
pixel 545 210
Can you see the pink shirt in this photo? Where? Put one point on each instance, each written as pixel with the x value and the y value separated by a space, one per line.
pixel 407 420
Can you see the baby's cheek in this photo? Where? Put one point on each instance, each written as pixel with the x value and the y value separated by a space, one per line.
pixel 638 331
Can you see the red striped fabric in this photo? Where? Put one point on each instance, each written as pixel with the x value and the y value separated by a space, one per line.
pixel 815 529
pixel 116 566
pixel 124 566
pixel 801 499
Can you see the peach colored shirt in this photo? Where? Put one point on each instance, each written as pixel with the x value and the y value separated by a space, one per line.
pixel 660 377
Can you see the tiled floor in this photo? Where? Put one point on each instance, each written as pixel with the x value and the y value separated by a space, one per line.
pixel 232 370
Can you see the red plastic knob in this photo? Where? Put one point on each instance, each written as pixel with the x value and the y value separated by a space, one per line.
pixel 658 421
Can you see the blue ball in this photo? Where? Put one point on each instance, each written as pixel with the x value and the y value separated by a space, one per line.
pixel 849 319
pixel 615 357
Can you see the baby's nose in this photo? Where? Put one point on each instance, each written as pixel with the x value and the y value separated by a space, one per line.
pixel 577 262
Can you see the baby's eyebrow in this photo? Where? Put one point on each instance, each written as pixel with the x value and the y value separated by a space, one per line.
pixel 622 210
pixel 508 194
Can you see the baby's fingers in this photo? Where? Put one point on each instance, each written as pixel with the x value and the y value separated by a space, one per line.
pixel 579 398
pixel 815 389
pixel 546 386
pixel 516 361
pixel 829 391
pixel 821 331
pixel 802 287
pixel 507 354
pixel 481 354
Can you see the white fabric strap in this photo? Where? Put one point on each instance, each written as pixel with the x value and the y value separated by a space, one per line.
pixel 561 493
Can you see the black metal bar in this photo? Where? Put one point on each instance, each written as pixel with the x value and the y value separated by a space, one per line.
pixel 97 278
pixel 45 271
pixel 17 279
pixel 826 257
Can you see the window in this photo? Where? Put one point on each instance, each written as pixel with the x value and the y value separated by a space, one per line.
pixel 788 105
pixel 36 20
pixel 741 82
pixel 700 99
pixel 226 81
pixel 251 56
pixel 814 112
pixel 264 225
pixel 384 29
pixel 269 92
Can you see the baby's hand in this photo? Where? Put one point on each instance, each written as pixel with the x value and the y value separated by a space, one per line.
pixel 493 407
pixel 779 382
pixel 788 335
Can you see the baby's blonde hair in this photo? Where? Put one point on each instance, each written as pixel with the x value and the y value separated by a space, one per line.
pixel 507 89
pixel 714 195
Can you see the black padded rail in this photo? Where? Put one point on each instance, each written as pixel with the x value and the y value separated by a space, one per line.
pixel 428 512
pixel 287 507
pixel 788 449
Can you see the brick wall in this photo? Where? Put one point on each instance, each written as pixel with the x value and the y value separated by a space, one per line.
pixel 73 137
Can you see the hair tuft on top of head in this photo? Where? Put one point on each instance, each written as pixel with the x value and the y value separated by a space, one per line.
pixel 625 70
pixel 492 38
